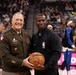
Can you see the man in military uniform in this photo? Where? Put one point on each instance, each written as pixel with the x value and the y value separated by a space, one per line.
pixel 14 48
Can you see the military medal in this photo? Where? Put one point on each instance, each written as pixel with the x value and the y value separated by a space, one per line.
pixel 14 40
pixel 15 49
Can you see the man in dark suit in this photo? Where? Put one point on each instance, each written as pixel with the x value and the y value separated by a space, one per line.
pixel 48 43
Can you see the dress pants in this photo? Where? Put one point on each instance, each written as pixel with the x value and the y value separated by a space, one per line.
pixel 15 73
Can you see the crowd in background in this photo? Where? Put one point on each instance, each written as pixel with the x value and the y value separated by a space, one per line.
pixel 58 13
pixel 9 7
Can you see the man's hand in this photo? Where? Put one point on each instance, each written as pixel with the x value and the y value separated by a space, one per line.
pixel 40 67
pixel 27 63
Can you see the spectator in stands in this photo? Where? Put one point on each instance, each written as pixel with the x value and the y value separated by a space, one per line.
pixel 74 4
pixel 14 48
pixel 47 13
pixel 48 43
pixel 36 4
pixel 74 20
pixel 7 18
pixel 74 37
pixel 13 7
pixel 2 28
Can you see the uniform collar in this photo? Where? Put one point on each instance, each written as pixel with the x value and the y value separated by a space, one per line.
pixel 16 31
pixel 42 33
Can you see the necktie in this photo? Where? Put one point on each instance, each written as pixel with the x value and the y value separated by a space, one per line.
pixel 20 35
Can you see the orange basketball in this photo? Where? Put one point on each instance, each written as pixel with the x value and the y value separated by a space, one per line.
pixel 36 59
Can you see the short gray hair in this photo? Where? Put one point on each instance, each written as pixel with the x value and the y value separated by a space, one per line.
pixel 17 14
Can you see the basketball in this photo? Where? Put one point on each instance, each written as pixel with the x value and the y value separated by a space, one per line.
pixel 36 59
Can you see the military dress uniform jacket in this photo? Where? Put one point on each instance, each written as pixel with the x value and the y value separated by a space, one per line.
pixel 14 49
pixel 47 43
